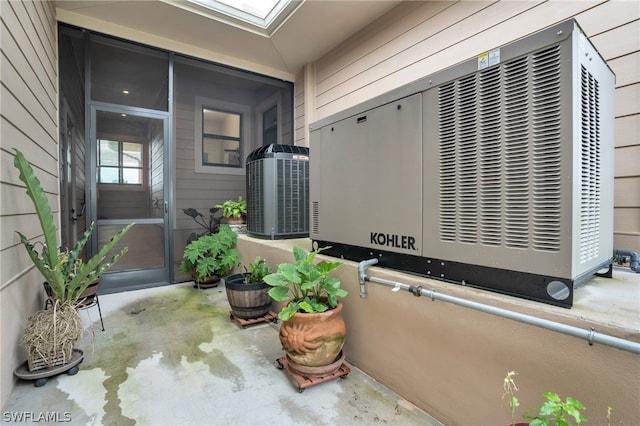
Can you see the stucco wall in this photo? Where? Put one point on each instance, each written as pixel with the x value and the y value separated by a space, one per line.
pixel 29 114
pixel 416 39
pixel 450 361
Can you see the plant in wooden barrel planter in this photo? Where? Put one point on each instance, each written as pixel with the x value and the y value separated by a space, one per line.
pixel 247 292
pixel 211 257
pixel 313 331
pixel 51 333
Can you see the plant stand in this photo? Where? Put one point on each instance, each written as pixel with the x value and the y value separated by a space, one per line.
pixel 244 323
pixel 304 382
pixel 41 376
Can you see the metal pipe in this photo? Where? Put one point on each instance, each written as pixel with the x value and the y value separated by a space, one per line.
pixel 590 336
pixel 362 266
pixel 634 264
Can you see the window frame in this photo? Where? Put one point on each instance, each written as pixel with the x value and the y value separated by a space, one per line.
pixel 120 167
pixel 245 134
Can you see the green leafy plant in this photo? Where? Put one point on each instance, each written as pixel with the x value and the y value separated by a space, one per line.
pixel 555 411
pixel 510 388
pixel 306 285
pixel 256 271
pixel 65 272
pixel 209 225
pixel 211 254
pixel 234 209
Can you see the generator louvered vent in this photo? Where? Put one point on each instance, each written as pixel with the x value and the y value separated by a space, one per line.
pixel 590 180
pixel 499 155
pixel 278 192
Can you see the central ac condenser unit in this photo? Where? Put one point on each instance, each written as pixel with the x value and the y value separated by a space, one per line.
pixel 495 173
pixel 278 192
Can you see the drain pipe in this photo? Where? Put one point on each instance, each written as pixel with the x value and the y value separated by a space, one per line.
pixel 362 276
pixel 590 335
pixel 634 264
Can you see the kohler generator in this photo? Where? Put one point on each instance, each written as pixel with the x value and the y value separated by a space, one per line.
pixel 495 173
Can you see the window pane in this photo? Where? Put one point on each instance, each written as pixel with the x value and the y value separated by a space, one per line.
pixel 270 126
pixel 220 151
pixel 108 153
pixel 220 123
pixel 131 154
pixel 132 176
pixel 108 175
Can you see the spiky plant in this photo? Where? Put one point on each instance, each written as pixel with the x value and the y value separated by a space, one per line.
pixel 65 272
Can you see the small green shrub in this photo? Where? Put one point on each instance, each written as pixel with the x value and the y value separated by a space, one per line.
pixel 306 285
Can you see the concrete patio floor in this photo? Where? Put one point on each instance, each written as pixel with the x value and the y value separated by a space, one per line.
pixel 172 356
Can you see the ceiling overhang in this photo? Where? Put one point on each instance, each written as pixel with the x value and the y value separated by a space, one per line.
pixel 311 29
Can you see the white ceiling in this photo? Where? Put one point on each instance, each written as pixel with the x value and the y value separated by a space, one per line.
pixel 312 30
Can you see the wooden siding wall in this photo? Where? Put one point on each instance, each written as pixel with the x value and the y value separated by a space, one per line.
pixel 299 122
pixel 29 117
pixel 418 38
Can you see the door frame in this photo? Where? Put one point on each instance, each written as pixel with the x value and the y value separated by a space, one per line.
pixel 143 278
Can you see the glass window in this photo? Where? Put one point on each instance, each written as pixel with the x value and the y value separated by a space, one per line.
pixel 221 138
pixel 120 162
pixel 270 126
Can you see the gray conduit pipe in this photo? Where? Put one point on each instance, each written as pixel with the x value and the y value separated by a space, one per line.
pixel 634 263
pixel 590 336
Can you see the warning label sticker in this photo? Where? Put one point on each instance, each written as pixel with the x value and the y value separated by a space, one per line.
pixel 488 59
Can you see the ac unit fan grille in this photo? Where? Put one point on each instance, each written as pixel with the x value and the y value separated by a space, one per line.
pixel 277 196
pixel 255 201
pixel 499 170
pixel 293 204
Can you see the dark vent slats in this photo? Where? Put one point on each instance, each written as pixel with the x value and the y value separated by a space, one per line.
pixel 546 143
pixel 500 155
pixel 447 163
pixel 517 209
pixel 590 168
pixel 315 217
pixel 292 202
pixel 467 189
pixel 278 191
pixel 255 183
pixel 490 164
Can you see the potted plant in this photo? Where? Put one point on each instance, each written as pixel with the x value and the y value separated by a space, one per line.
pixel 313 331
pixel 210 225
pixel 553 411
pixel 247 292
pixel 51 333
pixel 234 211
pixel 211 257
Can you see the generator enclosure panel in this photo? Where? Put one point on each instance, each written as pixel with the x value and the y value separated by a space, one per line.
pixel 495 173
pixel 278 192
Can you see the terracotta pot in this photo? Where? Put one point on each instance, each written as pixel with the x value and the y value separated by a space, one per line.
pixel 314 340
pixel 247 300
pixel 235 220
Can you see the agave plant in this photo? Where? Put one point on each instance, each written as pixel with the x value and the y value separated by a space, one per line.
pixel 65 272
